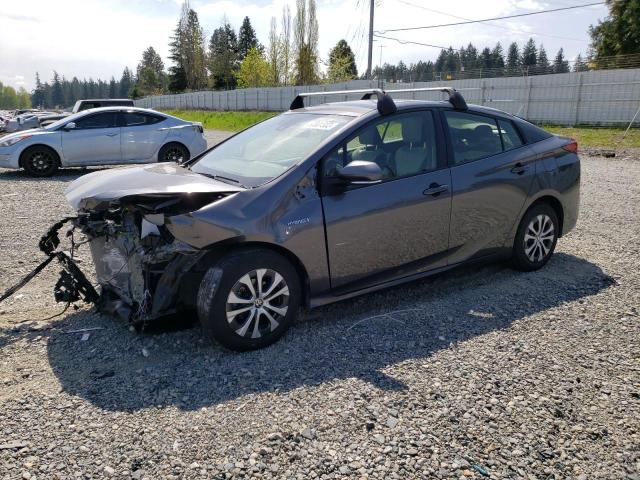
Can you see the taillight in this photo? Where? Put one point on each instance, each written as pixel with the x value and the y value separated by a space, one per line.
pixel 571 147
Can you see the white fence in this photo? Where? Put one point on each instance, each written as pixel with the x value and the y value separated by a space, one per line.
pixel 599 97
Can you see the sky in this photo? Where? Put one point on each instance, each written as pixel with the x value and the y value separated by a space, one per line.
pixel 98 38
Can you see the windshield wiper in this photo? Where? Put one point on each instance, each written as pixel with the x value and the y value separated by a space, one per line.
pixel 225 179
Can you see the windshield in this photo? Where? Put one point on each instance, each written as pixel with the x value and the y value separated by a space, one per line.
pixel 265 151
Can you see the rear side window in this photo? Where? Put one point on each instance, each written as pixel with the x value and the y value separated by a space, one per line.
pixel 99 120
pixel 531 133
pixel 510 137
pixel 133 119
pixel 472 136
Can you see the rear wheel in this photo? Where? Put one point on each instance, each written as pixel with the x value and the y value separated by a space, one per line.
pixel 249 299
pixel 536 238
pixel 40 161
pixel 173 152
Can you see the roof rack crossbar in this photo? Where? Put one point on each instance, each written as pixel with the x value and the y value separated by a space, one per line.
pixel 455 97
pixel 386 104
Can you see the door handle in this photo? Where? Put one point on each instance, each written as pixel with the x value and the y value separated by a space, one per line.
pixel 435 189
pixel 519 168
pixel 111 134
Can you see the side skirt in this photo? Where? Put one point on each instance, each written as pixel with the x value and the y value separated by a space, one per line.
pixel 321 300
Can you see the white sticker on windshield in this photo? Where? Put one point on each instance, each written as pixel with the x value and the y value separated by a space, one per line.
pixel 322 124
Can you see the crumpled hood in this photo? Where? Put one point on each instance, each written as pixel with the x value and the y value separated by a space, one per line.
pixel 101 188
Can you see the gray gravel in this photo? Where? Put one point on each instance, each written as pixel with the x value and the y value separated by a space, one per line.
pixel 480 371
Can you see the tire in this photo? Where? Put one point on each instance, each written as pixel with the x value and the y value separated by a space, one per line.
pixel 173 152
pixel 535 242
pixel 262 315
pixel 40 161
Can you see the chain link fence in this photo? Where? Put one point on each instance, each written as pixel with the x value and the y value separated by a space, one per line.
pixel 596 97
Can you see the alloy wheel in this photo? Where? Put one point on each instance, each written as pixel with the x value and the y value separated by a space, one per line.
pixel 257 303
pixel 538 238
pixel 175 154
pixel 41 162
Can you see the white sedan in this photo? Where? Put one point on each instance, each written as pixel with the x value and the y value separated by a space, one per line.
pixel 103 136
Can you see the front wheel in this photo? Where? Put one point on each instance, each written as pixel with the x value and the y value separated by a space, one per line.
pixel 536 238
pixel 39 161
pixel 249 299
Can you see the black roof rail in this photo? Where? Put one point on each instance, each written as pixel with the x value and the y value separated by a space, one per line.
pixel 386 105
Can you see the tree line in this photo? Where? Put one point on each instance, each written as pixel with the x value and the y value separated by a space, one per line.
pixel 60 92
pixel 469 61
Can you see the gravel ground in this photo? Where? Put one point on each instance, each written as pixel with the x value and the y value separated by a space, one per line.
pixel 481 372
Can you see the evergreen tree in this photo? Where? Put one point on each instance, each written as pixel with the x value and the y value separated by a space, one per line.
pixel 126 83
pixel 150 73
pixel 580 65
pixel 57 93
pixel 247 39
pixel 223 57
pixel 112 88
pixel 513 59
pixel 619 33
pixel 497 56
pixel 560 64
pixel 38 97
pixel 529 57
pixel 486 58
pixel 542 62
pixel 187 51
pixel 342 63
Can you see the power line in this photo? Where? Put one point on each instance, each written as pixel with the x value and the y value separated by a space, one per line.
pixel 503 27
pixel 491 19
pixel 404 42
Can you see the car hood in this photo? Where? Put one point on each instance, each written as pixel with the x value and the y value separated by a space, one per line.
pixel 31 131
pixel 99 190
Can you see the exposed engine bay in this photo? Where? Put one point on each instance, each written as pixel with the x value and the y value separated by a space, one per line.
pixel 139 264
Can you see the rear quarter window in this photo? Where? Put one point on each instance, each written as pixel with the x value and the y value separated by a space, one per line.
pixel 531 133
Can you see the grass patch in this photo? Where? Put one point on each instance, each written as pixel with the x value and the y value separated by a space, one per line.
pixel 596 137
pixel 229 121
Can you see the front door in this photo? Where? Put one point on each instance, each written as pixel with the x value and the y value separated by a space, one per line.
pixel 492 172
pixel 397 227
pixel 94 140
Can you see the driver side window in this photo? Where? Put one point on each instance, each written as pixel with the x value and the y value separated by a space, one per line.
pixel 402 145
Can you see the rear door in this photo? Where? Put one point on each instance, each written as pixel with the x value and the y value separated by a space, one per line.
pixel 492 173
pixel 397 227
pixel 142 135
pixel 95 140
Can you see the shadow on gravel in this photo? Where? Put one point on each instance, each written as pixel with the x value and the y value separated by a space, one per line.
pixel 356 338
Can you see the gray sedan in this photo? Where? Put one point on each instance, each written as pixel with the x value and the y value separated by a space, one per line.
pixel 103 136
pixel 323 203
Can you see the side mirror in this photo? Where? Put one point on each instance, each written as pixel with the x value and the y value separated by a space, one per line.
pixel 360 172
pixel 70 126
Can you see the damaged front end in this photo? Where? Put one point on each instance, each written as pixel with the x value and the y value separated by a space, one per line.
pixel 139 264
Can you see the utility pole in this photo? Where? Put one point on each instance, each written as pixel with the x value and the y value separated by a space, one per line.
pixel 370 58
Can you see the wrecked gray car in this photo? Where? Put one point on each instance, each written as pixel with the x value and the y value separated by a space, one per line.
pixel 323 203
